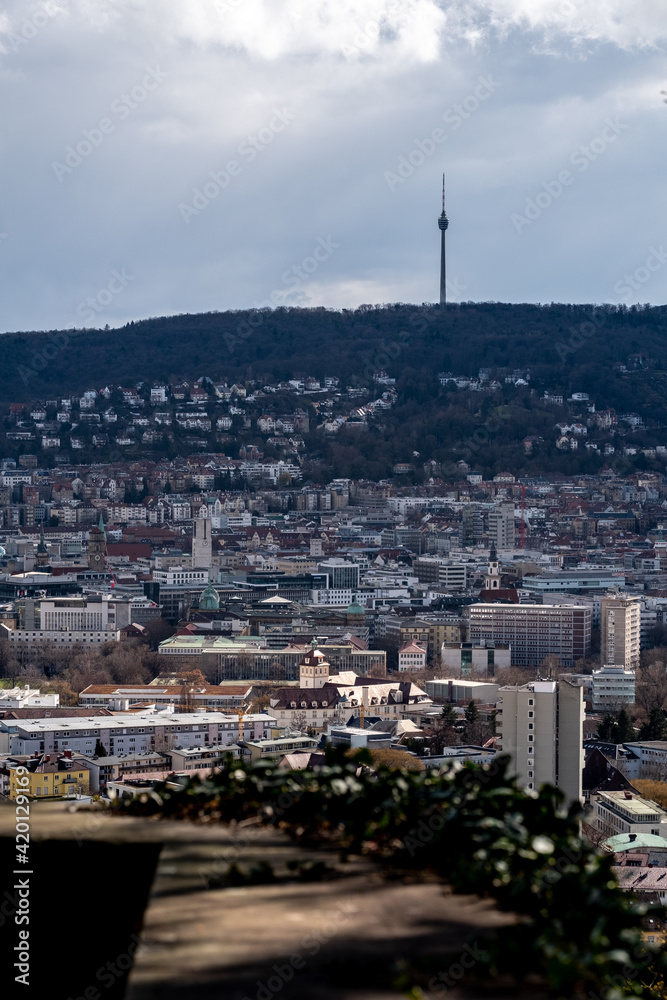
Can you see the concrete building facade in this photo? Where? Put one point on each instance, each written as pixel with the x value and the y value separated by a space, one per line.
pixel 540 725
pixel 611 688
pixel 621 630
pixel 623 812
pixel 534 631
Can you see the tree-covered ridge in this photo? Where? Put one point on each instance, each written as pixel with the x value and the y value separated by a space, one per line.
pixel 615 355
pixel 565 342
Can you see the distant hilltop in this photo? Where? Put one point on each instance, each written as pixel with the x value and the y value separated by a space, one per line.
pixel 377 392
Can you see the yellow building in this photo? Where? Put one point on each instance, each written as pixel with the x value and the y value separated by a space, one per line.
pixel 51 777
pixel 430 633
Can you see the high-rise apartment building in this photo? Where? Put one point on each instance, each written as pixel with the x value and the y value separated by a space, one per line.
pixel 534 631
pixel 501 526
pixel 540 725
pixel 621 630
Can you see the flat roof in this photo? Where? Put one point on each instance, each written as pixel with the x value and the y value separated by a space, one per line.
pixel 635 805
pixel 651 744
pixel 133 721
pixel 461 680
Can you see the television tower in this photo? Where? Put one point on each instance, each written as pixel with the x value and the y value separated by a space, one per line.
pixel 443 222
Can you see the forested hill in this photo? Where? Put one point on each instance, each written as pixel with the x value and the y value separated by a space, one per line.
pixel 524 388
pixel 571 348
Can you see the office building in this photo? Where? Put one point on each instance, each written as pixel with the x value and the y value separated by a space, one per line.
pixel 343 575
pixel 461 690
pixel 534 631
pixel 479 661
pixel 623 813
pixel 573 581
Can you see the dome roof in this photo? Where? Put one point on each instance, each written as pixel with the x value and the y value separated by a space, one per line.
pixel 356 609
pixel 209 599
pixel 628 841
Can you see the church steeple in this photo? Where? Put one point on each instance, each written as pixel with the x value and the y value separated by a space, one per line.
pixel 42 557
pixel 492 578
pixel 314 668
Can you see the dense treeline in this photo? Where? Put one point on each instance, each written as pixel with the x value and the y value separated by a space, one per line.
pixel 617 355
pixel 574 344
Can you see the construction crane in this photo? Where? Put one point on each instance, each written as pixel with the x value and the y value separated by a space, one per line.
pixel 241 712
pixel 522 529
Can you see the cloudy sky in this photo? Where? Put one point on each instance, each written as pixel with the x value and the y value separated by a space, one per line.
pixel 177 156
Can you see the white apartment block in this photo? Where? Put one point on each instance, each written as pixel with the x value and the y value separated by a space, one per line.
pixel 534 631
pixel 540 725
pixel 129 733
pixel 623 812
pixel 621 630
pixel 612 688
pixel 441 572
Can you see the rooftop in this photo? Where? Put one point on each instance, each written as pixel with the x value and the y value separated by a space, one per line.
pixel 634 804
pixel 133 721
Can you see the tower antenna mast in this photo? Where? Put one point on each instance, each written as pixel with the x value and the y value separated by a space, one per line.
pixel 443 223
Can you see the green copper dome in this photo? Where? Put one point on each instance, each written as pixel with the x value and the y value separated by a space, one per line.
pixel 210 599
pixel 356 609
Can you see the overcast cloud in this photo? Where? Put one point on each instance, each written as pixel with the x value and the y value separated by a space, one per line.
pixel 189 156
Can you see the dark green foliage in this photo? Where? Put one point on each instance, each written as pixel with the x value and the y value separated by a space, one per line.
pixel 656 727
pixel 624 730
pixel 100 749
pixel 475 829
pixel 616 730
pixel 471 713
pixel 606 728
pixel 448 714
pixel 567 349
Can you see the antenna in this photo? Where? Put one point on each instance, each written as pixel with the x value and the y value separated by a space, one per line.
pixel 443 223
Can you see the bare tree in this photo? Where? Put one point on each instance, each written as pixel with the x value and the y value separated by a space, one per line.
pixel 299 721
pixel 191 681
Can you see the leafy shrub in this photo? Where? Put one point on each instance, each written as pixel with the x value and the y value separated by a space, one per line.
pixel 475 828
